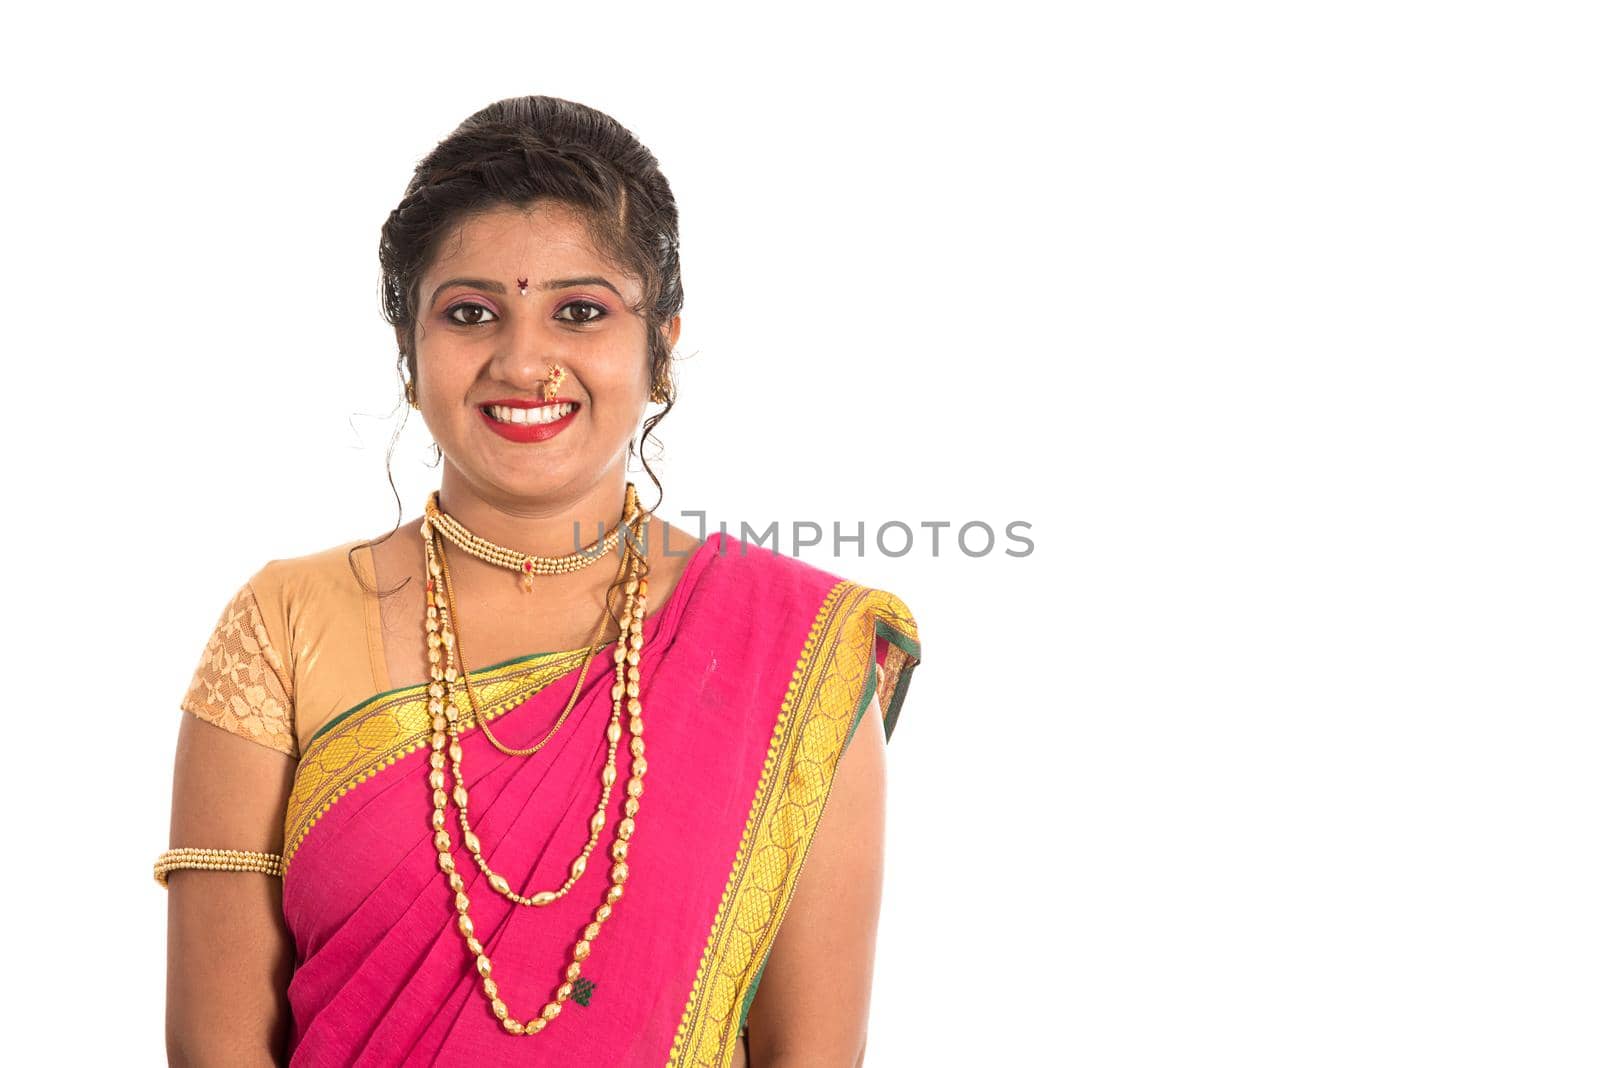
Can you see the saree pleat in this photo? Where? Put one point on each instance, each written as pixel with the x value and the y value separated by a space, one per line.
pixel 382 974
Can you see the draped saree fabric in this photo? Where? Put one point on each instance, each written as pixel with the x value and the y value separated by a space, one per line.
pixel 756 671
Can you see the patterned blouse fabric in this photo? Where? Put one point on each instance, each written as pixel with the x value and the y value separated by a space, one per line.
pixel 300 642
pixel 242 684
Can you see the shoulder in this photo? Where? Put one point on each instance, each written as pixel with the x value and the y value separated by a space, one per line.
pixel 336 571
pixel 313 590
pixel 298 642
pixel 297 592
pixel 283 593
pixel 320 617
pixel 759 572
pixel 866 633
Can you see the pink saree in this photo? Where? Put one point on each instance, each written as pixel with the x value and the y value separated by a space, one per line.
pixel 756 671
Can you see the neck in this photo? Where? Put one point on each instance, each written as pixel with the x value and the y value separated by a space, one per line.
pixel 556 524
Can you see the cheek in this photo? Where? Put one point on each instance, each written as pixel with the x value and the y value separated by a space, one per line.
pixel 621 378
pixel 444 370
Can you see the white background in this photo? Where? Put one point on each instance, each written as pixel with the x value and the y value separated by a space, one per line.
pixel 1276 321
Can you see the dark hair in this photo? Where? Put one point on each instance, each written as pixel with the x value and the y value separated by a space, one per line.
pixel 516 152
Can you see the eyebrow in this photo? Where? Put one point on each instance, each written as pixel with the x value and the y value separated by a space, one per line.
pixel 496 287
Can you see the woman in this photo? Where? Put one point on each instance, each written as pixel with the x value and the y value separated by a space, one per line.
pixel 438 739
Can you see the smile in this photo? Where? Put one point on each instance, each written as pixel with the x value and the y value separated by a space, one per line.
pixel 549 413
pixel 525 425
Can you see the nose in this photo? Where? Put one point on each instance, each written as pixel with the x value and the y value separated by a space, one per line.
pixel 527 362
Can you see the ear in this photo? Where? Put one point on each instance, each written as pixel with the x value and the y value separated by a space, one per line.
pixel 672 330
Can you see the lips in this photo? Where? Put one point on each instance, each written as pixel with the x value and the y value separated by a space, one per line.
pixel 544 419
pixel 530 414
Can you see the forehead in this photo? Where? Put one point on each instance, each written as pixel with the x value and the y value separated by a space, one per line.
pixel 545 240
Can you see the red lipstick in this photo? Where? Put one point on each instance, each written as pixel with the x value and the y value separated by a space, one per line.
pixel 524 433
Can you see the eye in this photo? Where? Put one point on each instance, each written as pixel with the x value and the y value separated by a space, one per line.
pixel 596 312
pixel 477 312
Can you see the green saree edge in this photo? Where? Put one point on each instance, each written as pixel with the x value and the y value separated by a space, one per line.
pixel 913 649
pixel 353 709
pixel 311 798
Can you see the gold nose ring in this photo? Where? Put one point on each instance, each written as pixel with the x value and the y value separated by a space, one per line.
pixel 553 381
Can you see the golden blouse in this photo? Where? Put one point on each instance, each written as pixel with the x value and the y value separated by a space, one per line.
pixel 300 642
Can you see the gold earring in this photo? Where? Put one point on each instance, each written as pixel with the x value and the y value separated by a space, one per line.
pixel 658 392
pixel 411 394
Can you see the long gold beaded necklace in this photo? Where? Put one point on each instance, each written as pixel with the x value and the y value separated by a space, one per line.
pixel 445 742
pixel 597 822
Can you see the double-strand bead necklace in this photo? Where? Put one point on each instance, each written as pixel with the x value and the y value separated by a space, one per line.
pixel 446 743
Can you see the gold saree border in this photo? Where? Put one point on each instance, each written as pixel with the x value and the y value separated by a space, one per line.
pixel 360 743
pixel 831 686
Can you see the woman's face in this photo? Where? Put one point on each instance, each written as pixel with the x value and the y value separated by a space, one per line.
pixel 481 341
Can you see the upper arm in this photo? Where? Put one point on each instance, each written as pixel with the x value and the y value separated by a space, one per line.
pixel 811 1005
pixel 229 954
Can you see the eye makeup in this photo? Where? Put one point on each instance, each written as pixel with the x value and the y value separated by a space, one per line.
pixel 449 313
pixel 523 287
pixel 599 311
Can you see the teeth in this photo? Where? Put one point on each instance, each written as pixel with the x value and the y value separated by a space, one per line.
pixel 530 416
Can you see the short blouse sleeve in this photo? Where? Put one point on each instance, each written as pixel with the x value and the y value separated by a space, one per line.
pixel 241 683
